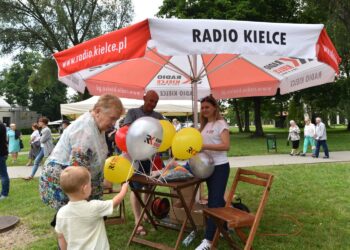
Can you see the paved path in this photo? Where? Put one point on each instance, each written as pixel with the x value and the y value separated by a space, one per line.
pixel 241 161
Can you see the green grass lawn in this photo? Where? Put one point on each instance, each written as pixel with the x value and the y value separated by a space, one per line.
pixel 243 144
pixel 317 196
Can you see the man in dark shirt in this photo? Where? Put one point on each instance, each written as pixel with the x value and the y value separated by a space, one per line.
pixel 147 109
pixel 5 181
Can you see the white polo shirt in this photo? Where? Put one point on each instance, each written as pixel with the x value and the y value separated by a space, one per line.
pixel 82 224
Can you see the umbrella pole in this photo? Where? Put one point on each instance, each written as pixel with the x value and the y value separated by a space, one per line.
pixel 195 91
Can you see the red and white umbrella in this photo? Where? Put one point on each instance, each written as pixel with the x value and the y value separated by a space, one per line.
pixel 189 59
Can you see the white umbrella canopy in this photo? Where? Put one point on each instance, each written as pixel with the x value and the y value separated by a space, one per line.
pixel 189 59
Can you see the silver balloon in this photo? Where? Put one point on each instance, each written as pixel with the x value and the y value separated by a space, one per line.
pixel 202 165
pixel 144 138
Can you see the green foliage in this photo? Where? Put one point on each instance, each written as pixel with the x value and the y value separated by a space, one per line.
pixel 14 81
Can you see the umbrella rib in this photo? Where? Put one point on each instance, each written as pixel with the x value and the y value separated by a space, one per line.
pixel 167 67
pixel 221 65
pixel 192 70
pixel 171 64
pixel 205 67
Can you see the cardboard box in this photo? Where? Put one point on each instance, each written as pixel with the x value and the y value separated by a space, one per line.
pixel 177 215
pixel 186 193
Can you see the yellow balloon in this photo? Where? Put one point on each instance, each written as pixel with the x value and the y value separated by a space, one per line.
pixel 118 169
pixel 186 143
pixel 168 135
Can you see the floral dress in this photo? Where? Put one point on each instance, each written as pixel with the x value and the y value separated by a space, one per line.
pixel 81 144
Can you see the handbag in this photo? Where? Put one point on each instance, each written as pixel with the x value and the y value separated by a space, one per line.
pixel 21 144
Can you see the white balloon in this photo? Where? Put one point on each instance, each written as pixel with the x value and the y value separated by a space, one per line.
pixel 144 138
pixel 202 165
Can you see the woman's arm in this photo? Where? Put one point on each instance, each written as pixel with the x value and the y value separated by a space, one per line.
pixel 45 136
pixel 223 146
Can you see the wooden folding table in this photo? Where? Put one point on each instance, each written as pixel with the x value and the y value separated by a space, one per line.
pixel 151 189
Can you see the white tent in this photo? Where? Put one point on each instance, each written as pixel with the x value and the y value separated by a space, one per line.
pixel 4 104
pixel 166 107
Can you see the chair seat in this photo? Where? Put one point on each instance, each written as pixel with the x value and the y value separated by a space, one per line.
pixel 234 217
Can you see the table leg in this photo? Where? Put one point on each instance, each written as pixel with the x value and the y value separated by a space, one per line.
pixel 144 210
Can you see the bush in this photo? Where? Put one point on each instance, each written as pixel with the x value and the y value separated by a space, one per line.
pixel 26 131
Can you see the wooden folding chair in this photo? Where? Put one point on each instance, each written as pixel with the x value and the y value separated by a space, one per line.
pixel 238 219
pixel 120 217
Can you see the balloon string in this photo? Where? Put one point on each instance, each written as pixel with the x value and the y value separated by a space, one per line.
pixel 159 172
pixel 168 166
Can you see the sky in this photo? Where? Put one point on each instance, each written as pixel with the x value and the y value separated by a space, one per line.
pixel 142 9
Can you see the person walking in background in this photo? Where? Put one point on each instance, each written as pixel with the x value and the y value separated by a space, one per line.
pixel 64 125
pixel 34 144
pixel 5 180
pixel 216 143
pixel 294 137
pixel 309 134
pixel 176 124
pixel 46 145
pixel 321 138
pixel 13 138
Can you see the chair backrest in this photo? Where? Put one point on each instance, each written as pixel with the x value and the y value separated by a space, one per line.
pixel 251 177
pixel 255 178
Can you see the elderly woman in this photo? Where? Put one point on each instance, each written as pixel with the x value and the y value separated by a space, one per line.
pixel 82 144
pixel 294 136
pixel 13 138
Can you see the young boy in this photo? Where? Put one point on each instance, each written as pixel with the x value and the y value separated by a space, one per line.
pixel 80 223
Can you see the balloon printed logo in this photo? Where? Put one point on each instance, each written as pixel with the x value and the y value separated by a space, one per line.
pixel 192 151
pixel 153 141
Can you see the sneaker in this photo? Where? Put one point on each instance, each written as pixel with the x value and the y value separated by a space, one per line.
pixel 325 157
pixel 2 197
pixel 302 154
pixel 205 245
pixel 291 154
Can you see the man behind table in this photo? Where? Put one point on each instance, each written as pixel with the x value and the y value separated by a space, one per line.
pixel 147 109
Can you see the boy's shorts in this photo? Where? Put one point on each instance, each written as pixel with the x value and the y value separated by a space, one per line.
pixel 145 167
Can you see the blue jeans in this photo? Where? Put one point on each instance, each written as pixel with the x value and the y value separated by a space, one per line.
pixel 145 167
pixel 216 191
pixel 5 180
pixel 322 143
pixel 37 161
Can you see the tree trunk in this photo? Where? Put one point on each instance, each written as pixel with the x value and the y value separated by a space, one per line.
pixel 246 117
pixel 257 117
pixel 348 125
pixel 238 116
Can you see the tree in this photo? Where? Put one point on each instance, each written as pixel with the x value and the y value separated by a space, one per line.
pixel 48 93
pixel 336 16
pixel 54 25
pixel 14 83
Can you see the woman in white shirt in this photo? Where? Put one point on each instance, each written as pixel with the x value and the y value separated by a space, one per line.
pixel 216 142
pixel 294 136
pixel 34 144
pixel 309 134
